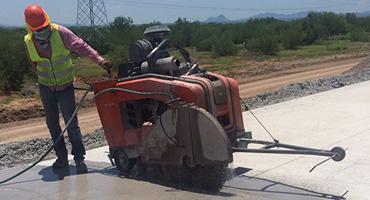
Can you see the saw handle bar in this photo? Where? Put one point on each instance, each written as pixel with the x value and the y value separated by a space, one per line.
pixel 337 153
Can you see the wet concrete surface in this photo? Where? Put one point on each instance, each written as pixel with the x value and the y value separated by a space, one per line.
pixel 336 118
pixel 105 182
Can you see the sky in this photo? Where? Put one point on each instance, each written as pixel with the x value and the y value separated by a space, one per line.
pixel 168 11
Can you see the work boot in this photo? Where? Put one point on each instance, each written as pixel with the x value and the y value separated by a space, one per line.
pixel 81 167
pixel 60 163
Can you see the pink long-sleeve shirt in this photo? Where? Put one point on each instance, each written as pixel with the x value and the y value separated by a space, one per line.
pixel 70 42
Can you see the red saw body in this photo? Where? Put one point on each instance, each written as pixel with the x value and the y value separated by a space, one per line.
pixel 121 112
pixel 132 132
pixel 161 111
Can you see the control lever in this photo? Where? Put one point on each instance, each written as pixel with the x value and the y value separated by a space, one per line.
pixel 109 73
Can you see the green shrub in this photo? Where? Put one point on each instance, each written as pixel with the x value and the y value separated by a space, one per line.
pixel 225 48
pixel 359 36
pixel 14 65
pixel 291 38
pixel 224 45
pixel 206 44
pixel 265 44
pixel 335 47
pixel 118 55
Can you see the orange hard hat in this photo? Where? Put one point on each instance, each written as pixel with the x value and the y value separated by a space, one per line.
pixel 36 17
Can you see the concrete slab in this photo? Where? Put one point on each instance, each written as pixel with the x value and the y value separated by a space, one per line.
pixel 335 118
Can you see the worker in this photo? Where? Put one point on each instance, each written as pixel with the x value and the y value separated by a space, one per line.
pixel 48 48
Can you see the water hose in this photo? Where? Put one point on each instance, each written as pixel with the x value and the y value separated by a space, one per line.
pixel 57 140
pixel 170 96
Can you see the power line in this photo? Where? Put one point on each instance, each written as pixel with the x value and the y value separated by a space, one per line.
pixel 151 4
pixel 336 2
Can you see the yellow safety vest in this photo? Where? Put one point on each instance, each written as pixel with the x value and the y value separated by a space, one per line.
pixel 55 71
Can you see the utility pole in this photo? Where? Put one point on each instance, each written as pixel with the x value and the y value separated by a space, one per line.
pixel 91 15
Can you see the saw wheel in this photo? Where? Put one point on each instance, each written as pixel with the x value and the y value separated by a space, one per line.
pixel 209 176
pixel 123 162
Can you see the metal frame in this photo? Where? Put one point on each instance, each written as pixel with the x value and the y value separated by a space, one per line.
pixel 91 14
pixel 337 153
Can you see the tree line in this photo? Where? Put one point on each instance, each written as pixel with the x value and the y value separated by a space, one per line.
pixel 265 36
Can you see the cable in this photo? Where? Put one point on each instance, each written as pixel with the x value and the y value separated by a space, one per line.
pixel 56 141
pixel 160 121
pixel 74 115
pixel 147 93
pixel 247 107
pixel 322 162
pixel 275 140
pixel 152 4
pixel 133 92
pixel 336 2
pixel 77 88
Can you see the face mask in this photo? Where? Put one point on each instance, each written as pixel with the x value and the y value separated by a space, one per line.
pixel 43 36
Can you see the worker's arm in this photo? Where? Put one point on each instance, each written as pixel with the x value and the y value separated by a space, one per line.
pixel 33 64
pixel 76 44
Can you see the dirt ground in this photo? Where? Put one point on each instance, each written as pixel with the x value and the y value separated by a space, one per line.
pixel 250 86
pixel 27 104
pixel 23 119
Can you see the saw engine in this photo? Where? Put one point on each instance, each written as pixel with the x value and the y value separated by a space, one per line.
pixel 166 111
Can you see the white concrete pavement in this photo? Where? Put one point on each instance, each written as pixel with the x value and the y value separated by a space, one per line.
pixel 339 117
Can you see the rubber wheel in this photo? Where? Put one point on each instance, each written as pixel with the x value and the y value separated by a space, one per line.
pixel 123 163
pixel 341 154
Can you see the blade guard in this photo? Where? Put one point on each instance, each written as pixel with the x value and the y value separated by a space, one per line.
pixel 198 136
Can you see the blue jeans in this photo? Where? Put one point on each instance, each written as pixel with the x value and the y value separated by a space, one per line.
pixel 66 100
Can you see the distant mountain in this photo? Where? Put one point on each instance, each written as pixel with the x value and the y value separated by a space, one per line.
pixel 363 14
pixel 299 15
pixel 218 19
pixel 286 17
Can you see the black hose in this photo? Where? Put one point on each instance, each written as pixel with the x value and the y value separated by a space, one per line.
pixel 56 141
pixel 133 92
pixel 147 93
pixel 160 121
pixel 74 115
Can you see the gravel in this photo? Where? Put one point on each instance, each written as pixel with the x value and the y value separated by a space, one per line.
pixel 18 153
pixel 305 88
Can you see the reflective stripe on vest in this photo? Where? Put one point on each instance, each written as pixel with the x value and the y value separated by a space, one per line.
pixel 55 62
pixel 55 71
pixel 57 75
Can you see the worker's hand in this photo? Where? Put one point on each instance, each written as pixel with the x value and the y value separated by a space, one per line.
pixel 107 65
